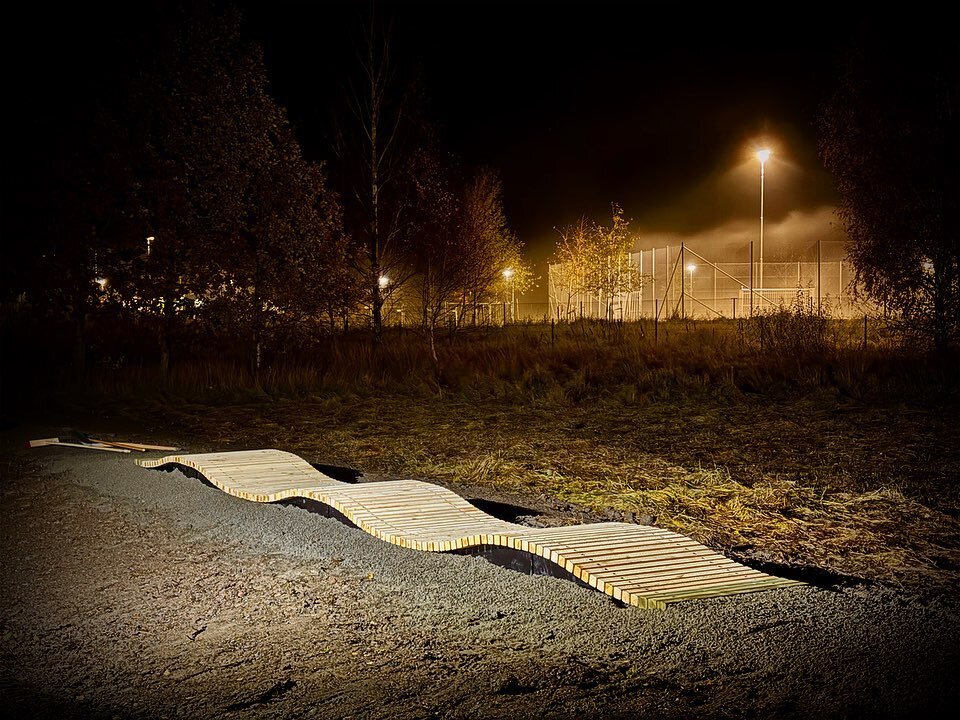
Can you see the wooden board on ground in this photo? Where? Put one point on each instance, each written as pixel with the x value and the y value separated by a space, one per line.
pixel 43 442
pixel 135 446
pixel 643 566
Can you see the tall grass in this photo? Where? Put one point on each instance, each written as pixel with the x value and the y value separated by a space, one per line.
pixel 559 364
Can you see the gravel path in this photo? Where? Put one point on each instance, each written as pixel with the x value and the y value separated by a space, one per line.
pixel 135 593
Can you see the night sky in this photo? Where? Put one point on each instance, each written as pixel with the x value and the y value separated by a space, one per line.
pixel 654 106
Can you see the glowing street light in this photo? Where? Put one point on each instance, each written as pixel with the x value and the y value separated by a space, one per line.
pixel 763 154
pixel 149 243
pixel 383 282
pixel 508 276
pixel 690 268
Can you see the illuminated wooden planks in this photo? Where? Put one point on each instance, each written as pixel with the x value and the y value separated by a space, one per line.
pixel 639 565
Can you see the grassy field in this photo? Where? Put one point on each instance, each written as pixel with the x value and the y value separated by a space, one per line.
pixel 785 440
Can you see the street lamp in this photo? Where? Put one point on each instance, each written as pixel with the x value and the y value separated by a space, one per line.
pixel 508 276
pixel 762 155
pixel 690 268
pixel 383 282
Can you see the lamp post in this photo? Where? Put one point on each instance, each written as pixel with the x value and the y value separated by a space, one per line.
pixel 508 276
pixel 690 268
pixel 383 282
pixel 762 155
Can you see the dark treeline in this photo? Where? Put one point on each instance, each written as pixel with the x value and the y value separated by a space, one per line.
pixel 159 204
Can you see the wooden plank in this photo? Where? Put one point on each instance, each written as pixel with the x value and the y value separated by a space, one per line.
pixel 603 551
pixel 701 580
pixel 88 446
pixel 135 446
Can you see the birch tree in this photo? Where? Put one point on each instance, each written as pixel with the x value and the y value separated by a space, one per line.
pixel 375 143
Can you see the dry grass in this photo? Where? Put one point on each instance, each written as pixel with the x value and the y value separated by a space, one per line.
pixel 849 519
pixel 839 457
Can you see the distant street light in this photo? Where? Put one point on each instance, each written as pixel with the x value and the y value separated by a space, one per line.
pixel 690 268
pixel 762 155
pixel 383 282
pixel 149 243
pixel 508 276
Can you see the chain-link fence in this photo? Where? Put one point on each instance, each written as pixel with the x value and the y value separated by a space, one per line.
pixel 678 282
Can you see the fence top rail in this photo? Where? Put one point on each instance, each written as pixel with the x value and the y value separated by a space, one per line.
pixel 795 289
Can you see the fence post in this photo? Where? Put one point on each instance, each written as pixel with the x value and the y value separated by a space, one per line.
pixel 552 331
pixel 683 284
pixel 818 276
pixel 656 320
pixel 840 290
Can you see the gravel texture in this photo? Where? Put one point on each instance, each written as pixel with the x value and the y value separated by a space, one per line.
pixel 135 593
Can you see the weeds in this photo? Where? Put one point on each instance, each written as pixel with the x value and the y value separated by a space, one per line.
pixel 804 447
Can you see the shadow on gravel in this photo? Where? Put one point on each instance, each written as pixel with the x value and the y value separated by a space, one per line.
pixel 818 577
pixel 502 510
pixel 343 474
pixel 318 508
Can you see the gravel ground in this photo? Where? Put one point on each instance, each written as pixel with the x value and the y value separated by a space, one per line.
pixel 135 593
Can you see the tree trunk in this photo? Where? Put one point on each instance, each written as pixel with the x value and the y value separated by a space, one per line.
pixel 433 354
pixel 255 356
pixel 79 345
pixel 375 201
pixel 257 328
pixel 166 328
pixel 940 334
pixel 377 307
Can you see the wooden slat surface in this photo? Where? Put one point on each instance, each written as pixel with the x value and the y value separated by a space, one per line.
pixel 644 566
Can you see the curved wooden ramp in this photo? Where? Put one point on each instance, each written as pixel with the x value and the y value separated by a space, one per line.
pixel 639 565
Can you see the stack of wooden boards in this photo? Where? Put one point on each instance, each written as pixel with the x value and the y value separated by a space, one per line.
pixel 79 440
pixel 643 566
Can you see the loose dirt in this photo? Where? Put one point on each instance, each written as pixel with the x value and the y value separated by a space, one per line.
pixel 138 594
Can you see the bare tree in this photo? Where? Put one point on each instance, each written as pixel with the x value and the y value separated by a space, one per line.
pixel 491 249
pixel 374 149
pixel 595 261
pixel 574 253
pixel 463 245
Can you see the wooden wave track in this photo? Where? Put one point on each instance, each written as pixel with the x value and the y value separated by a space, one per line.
pixel 644 566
